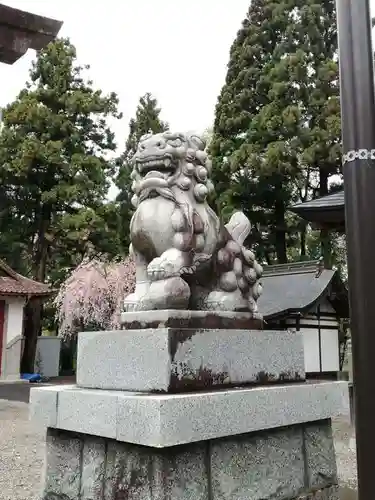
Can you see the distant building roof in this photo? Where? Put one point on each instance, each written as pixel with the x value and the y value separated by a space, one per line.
pixel 326 211
pixel 296 287
pixel 20 31
pixel 330 201
pixel 12 283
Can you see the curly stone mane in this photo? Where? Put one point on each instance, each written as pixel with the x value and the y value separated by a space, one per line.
pixel 181 161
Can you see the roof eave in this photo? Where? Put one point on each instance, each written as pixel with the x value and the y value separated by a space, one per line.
pixel 21 30
pixel 27 294
pixel 294 310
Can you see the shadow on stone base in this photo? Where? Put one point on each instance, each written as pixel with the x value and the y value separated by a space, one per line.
pixel 290 463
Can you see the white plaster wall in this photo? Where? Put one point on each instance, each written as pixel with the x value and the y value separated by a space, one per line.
pixel 14 319
pixel 47 359
pixel 12 342
pixel 311 349
pixel 330 350
pixel 329 340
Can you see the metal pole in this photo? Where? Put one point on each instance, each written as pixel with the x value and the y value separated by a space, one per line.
pixel 358 137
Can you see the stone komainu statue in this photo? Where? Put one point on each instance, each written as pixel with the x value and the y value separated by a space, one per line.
pixel 185 257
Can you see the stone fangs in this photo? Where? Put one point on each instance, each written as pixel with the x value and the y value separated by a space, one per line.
pixel 154 163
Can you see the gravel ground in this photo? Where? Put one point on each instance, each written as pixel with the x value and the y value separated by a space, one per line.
pixel 22 454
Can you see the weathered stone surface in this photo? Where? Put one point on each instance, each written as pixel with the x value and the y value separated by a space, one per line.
pixel 320 455
pixel 92 412
pixel 93 468
pixel 133 427
pixel 133 360
pixel 258 467
pixel 167 420
pixel 329 493
pixel 43 406
pixel 137 473
pixel 63 466
pixel 185 257
pixel 176 360
pixel 270 465
pixel 177 318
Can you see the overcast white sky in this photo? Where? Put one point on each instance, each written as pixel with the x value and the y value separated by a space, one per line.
pixel 175 49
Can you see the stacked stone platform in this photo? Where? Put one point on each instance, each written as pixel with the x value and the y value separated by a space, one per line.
pixel 190 405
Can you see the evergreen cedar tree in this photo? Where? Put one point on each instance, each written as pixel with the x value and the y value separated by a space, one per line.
pixel 55 175
pixel 91 297
pixel 276 135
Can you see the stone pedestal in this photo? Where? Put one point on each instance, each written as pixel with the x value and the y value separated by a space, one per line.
pixel 296 462
pixel 191 413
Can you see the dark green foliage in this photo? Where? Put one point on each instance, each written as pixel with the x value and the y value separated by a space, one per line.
pixel 146 120
pixel 278 117
pixel 54 172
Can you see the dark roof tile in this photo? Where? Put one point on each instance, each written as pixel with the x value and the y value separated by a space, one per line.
pixel 331 201
pixel 292 287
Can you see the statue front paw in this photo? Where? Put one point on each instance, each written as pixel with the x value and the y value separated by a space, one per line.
pixel 168 265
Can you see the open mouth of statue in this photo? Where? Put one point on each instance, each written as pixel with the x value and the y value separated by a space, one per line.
pixel 156 167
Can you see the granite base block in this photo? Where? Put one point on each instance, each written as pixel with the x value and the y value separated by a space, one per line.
pixel 163 420
pixel 258 466
pixel 185 359
pixel 329 493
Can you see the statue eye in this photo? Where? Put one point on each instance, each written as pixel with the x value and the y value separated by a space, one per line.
pixel 176 143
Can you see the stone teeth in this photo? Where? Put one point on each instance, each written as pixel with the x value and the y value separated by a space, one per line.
pixel 155 163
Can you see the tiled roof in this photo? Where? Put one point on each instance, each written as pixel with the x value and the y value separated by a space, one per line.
pixel 12 283
pixel 292 287
pixel 330 201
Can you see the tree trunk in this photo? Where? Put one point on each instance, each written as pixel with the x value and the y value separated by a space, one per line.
pixel 325 240
pixel 280 233
pixel 31 331
pixel 34 308
pixel 268 258
pixel 326 247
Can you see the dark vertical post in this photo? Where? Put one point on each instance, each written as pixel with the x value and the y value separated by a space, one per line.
pixel 358 137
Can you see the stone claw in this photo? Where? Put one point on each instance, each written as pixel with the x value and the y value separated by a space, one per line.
pixel 161 268
pixel 169 265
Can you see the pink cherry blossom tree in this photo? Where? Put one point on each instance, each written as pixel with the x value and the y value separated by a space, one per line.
pixel 92 296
